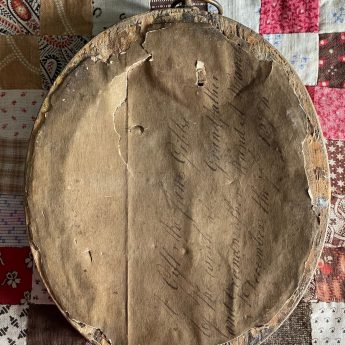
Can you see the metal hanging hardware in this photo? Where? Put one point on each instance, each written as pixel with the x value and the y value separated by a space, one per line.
pixel 189 3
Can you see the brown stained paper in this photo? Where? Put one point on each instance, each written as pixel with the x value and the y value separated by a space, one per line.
pixel 167 192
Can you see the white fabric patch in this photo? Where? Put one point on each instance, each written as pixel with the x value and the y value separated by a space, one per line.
pixel 39 293
pixel 109 12
pixel 247 12
pixel 13 324
pixel 302 51
pixel 336 223
pixel 332 16
pixel 328 323
pixel 18 111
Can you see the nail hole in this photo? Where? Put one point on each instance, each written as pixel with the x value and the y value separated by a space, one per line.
pixel 137 129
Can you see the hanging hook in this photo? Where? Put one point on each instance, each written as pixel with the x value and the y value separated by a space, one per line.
pixel 189 3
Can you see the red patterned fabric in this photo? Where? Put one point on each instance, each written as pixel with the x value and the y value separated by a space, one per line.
pixel 330 275
pixel 311 91
pixel 19 17
pixel 330 107
pixel 18 111
pixel 332 60
pixel 336 159
pixel 284 16
pixel 15 275
pixel 55 53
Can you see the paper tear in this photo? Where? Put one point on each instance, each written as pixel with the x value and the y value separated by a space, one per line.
pixel 310 149
pixel 97 58
pixel 34 245
pixel 90 255
pixel 132 53
pixel 119 135
pixel 200 73
pixel 96 334
pixel 88 251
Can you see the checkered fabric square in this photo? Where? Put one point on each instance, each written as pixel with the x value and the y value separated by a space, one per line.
pixel 39 37
pixel 12 164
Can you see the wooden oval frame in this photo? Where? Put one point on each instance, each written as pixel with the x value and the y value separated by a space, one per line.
pixel 117 39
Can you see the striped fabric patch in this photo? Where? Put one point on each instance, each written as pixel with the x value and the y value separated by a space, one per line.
pixel 12 221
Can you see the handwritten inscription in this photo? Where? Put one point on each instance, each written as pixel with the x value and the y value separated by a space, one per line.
pixel 179 143
pixel 224 121
pixel 266 129
pixel 216 127
pixel 176 259
pixel 236 78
